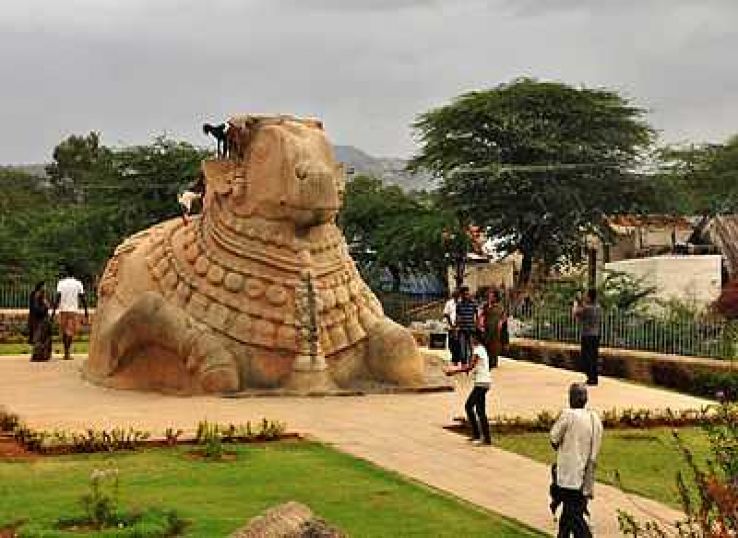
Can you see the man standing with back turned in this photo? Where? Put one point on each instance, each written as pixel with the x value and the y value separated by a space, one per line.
pixel 589 314
pixel 576 436
pixel 69 293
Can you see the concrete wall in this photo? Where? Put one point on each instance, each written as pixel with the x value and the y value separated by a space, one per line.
pixel 688 278
pixel 671 371
pixel 479 275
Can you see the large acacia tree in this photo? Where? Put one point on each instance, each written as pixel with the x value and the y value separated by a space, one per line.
pixel 539 164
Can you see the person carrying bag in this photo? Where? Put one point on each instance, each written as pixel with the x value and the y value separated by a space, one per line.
pixel 576 436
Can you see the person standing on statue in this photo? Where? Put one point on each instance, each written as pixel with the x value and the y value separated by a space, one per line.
pixel 589 315
pixel 69 293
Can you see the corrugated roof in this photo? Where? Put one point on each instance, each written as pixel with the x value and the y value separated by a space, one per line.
pixel 650 221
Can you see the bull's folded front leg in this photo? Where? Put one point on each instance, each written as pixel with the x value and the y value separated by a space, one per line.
pixel 153 322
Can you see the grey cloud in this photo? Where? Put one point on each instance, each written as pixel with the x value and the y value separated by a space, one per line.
pixel 137 68
pixel 367 5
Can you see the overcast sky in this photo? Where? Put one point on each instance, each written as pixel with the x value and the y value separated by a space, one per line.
pixel 132 69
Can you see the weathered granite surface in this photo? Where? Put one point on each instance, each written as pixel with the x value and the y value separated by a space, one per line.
pixel 260 291
pixel 288 520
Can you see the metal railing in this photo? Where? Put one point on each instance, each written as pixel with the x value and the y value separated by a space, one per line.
pixel 407 308
pixel 700 337
pixel 16 295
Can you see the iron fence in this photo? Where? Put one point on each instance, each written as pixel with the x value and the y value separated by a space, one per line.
pixel 691 336
pixel 407 308
pixel 16 295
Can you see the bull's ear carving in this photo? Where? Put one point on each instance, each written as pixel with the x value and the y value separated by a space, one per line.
pixel 219 175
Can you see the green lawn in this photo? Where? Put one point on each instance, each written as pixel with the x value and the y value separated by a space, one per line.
pixel 21 348
pixel 647 460
pixel 220 497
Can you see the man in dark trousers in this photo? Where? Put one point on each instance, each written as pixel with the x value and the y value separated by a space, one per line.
pixel 466 322
pixel 576 436
pixel 589 315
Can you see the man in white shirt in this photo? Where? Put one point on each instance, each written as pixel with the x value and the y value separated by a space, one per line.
pixel 476 406
pixel 576 436
pixel 449 316
pixel 69 293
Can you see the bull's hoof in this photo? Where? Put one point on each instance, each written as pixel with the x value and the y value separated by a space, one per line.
pixel 220 379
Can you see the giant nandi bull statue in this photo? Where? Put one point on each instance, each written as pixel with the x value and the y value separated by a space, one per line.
pixel 259 292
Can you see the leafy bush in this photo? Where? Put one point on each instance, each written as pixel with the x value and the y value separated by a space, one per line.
pixel 707 416
pixel 8 421
pixel 171 436
pixel 209 435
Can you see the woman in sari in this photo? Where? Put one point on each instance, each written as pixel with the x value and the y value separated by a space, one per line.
pixel 492 318
pixel 39 324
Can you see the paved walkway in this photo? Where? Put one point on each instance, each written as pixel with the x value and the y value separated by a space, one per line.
pixel 399 432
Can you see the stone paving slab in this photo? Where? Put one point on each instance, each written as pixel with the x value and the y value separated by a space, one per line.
pixel 401 432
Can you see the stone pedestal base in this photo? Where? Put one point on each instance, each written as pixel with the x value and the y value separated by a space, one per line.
pixel 306 381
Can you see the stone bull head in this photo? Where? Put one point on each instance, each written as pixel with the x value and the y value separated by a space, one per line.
pixel 286 171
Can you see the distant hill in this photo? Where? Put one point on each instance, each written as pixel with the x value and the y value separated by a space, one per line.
pixel 38 170
pixel 390 170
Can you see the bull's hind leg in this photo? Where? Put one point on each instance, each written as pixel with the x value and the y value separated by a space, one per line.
pixel 392 355
pixel 151 324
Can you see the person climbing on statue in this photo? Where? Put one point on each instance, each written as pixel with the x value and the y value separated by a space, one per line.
pixel 220 133
pixel 193 195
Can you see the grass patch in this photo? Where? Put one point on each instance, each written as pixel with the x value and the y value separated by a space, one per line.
pixel 647 460
pixel 22 348
pixel 217 498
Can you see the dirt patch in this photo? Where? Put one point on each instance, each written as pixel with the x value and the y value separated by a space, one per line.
pixel 199 455
pixel 11 450
pixel 10 530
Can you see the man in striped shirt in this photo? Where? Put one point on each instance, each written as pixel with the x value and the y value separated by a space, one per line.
pixel 466 322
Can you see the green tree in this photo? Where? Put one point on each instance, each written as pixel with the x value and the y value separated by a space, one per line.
pixel 387 227
pixel 702 179
pixel 78 161
pixel 25 202
pixel 538 164
pixel 93 197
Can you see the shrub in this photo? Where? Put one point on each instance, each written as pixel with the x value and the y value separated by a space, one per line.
pixel 209 436
pixel 171 436
pixel 708 416
pixel 101 503
pixel 8 421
